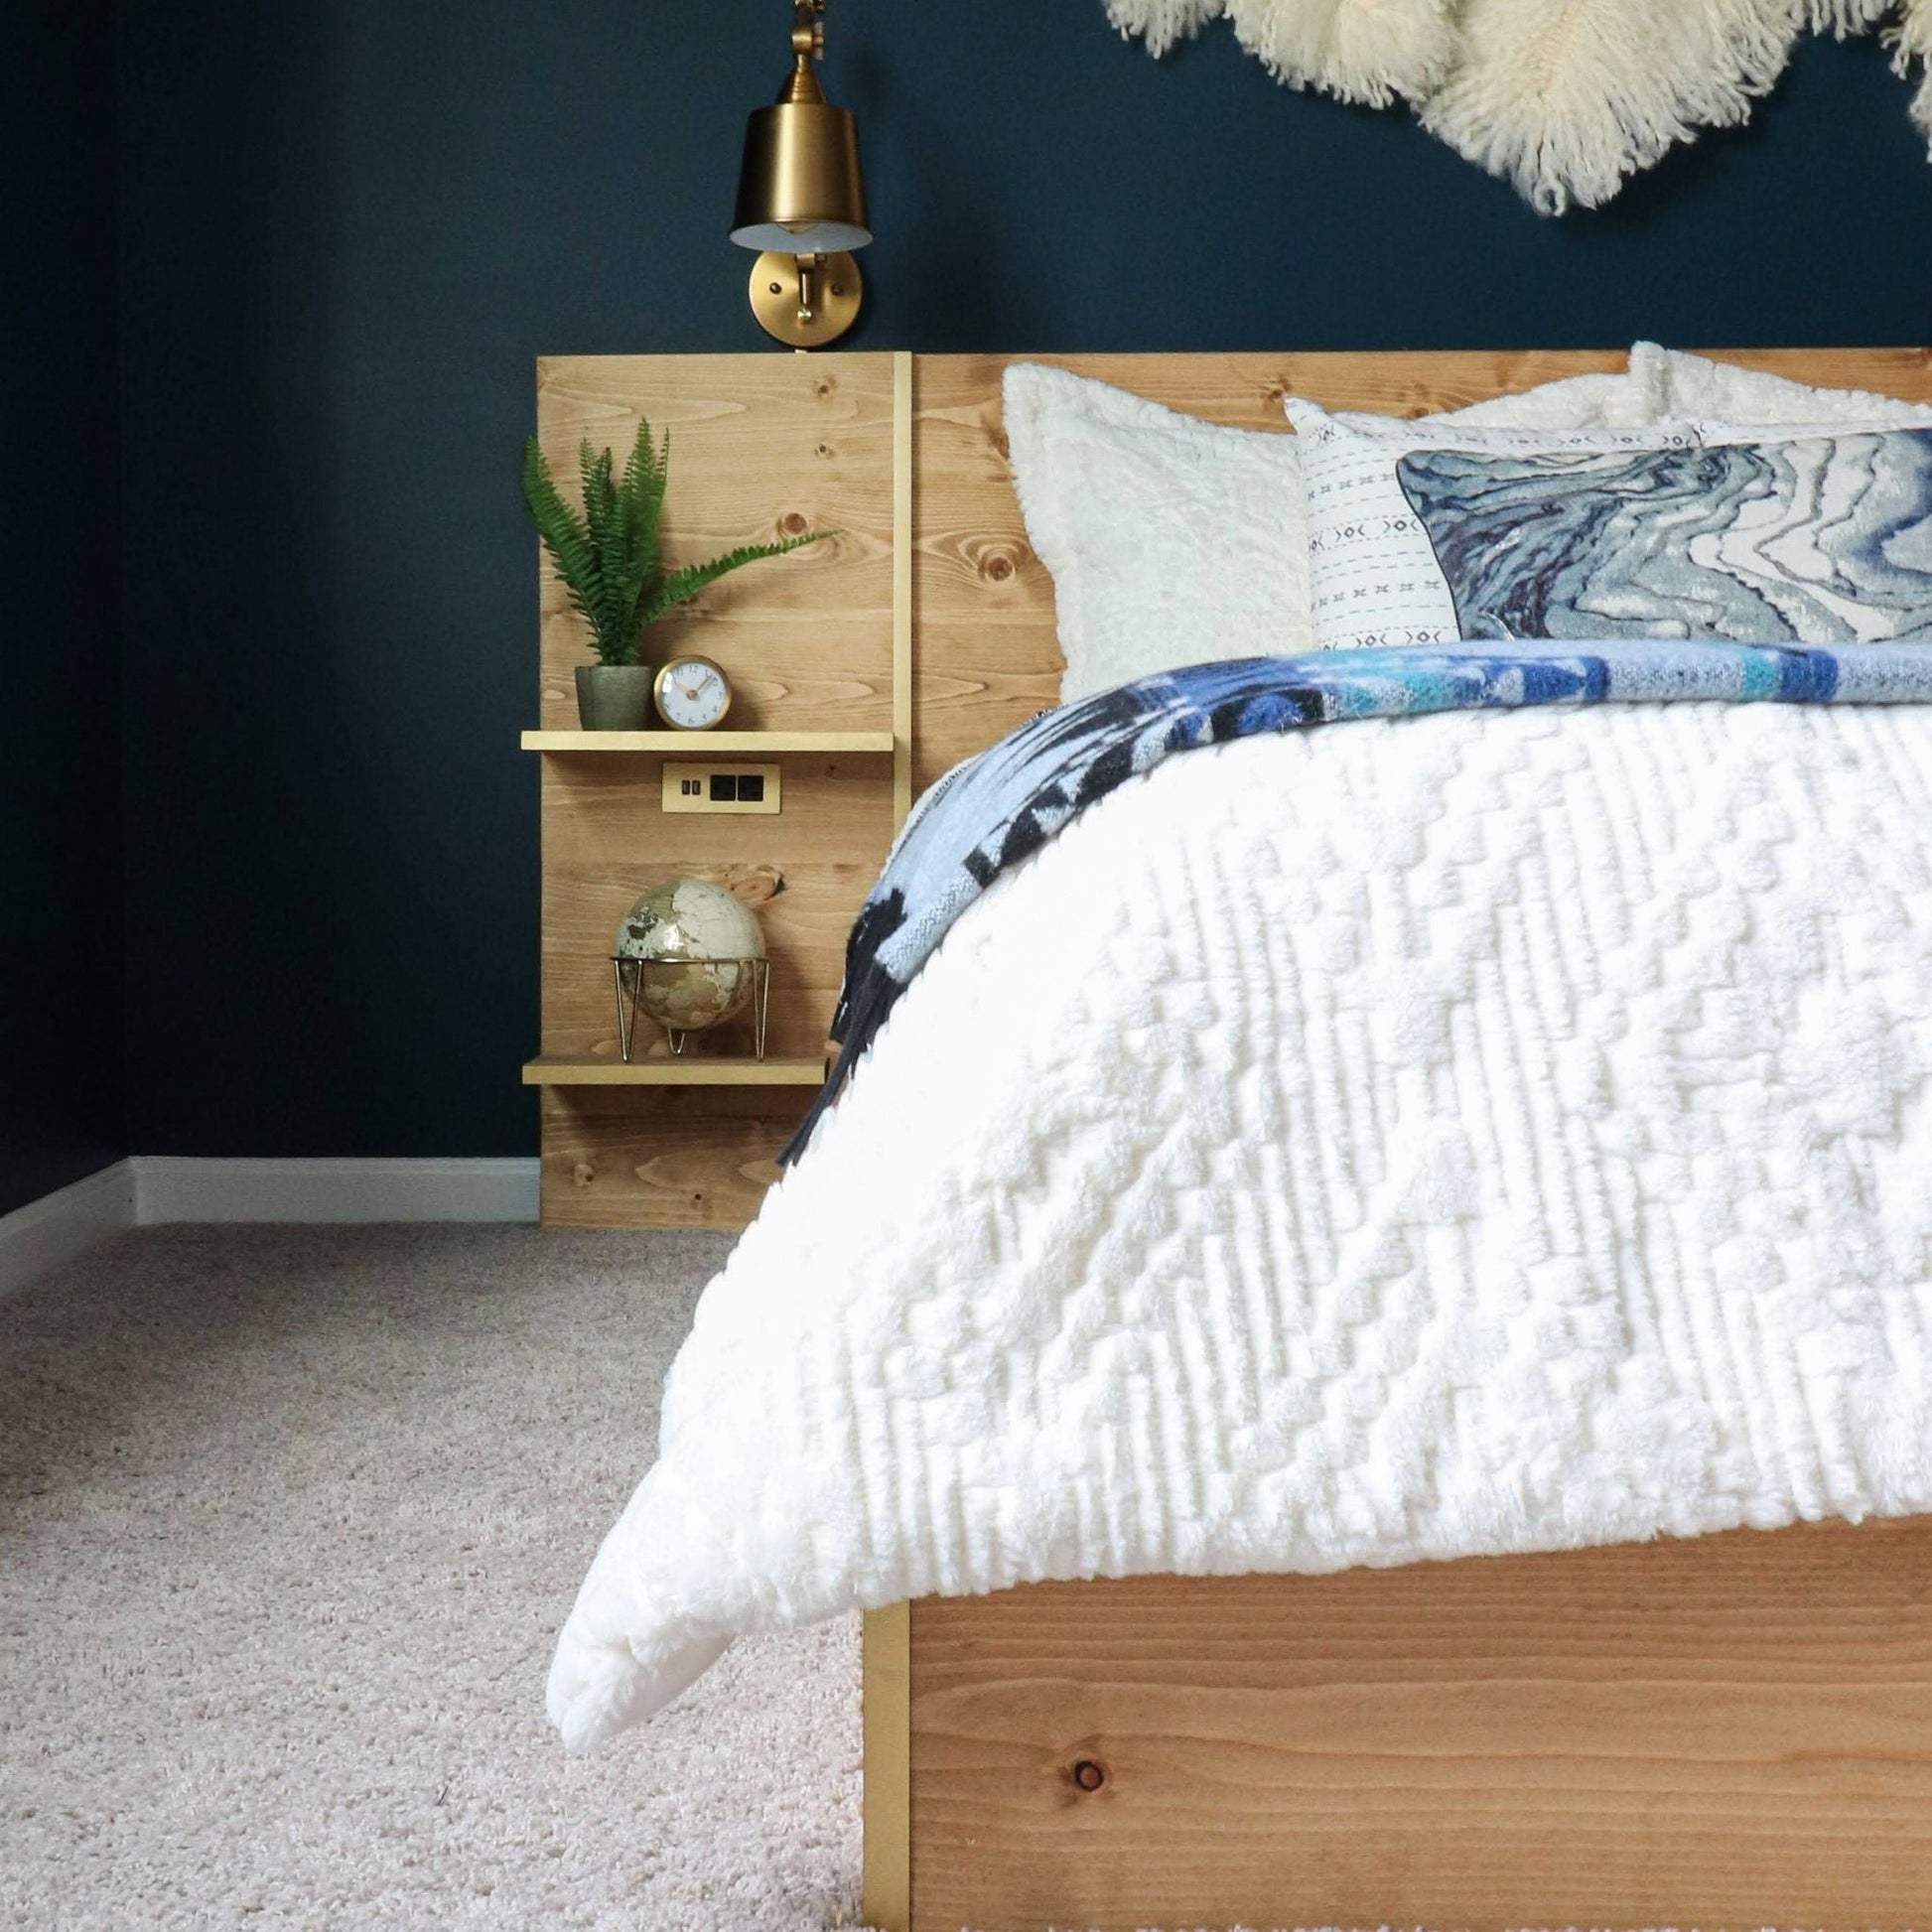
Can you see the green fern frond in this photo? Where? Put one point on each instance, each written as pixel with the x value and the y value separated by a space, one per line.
pixel 639 496
pixel 604 520
pixel 645 475
pixel 687 583
pixel 645 481
pixel 567 537
pixel 607 553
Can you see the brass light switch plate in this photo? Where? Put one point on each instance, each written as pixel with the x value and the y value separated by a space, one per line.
pixel 720 787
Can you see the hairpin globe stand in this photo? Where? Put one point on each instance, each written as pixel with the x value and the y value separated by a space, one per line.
pixel 627 974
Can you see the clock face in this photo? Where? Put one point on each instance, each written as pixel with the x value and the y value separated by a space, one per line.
pixel 692 693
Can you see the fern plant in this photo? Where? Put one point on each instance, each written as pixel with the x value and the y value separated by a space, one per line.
pixel 607 552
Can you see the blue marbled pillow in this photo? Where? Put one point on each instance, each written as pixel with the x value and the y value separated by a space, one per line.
pixel 1821 539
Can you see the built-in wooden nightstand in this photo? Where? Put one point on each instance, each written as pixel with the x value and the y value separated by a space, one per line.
pixel 818 647
pixel 597 1065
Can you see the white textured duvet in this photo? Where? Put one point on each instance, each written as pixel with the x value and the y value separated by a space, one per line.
pixel 1463 1134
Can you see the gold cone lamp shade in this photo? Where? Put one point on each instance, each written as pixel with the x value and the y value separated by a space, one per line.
pixel 801 202
pixel 799 191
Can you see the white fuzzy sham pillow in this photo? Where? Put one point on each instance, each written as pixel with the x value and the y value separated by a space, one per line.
pixel 1175 541
pixel 1171 541
pixel 1721 395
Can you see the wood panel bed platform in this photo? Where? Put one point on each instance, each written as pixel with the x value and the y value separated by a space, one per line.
pixel 1733 1731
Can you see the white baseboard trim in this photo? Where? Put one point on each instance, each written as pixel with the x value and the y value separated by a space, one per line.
pixel 154 1188
pixel 64 1223
pixel 171 1187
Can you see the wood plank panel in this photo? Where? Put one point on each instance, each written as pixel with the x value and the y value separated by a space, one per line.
pixel 1735 1731
pixel 681 1156
pixel 761 446
pixel 806 871
pixel 1903 372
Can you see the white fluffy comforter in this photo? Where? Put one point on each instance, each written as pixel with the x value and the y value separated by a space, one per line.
pixel 1463 1134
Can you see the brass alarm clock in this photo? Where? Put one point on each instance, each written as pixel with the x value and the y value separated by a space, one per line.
pixel 691 694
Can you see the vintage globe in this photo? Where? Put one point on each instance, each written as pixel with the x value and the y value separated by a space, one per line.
pixel 692 940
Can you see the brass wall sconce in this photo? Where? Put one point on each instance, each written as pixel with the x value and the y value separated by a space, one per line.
pixel 801 202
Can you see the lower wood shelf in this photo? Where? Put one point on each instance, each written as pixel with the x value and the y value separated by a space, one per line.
pixel 559 1070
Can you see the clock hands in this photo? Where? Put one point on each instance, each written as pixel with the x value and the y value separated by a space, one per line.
pixel 695 691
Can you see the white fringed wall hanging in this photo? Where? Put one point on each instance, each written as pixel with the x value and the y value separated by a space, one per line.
pixel 1564 99
pixel 1911 41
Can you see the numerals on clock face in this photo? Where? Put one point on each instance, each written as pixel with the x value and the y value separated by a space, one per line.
pixel 691 694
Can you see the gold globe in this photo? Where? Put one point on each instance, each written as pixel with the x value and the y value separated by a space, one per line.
pixel 693 944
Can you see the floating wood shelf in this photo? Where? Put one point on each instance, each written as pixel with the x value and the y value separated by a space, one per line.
pixel 701 744
pixel 560 1070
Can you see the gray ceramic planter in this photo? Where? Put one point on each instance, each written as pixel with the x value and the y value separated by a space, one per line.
pixel 614 696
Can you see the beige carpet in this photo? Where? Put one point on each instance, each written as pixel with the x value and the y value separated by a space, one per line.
pixel 287 1519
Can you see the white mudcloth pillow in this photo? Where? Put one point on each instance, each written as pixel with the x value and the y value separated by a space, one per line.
pixel 1177 541
pixel 1374 573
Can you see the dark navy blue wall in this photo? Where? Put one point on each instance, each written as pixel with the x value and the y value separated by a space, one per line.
pixel 352 226
pixel 62 937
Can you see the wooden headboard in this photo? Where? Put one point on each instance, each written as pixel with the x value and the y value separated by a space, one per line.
pixel 925 617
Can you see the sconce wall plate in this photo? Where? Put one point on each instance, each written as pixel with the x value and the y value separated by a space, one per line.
pixel 806 319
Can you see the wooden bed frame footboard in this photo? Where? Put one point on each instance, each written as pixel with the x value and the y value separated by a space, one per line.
pixel 1731 1733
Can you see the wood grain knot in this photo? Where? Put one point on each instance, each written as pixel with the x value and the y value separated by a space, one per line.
pixel 1088 1774
pixel 825 386
pixel 823 451
pixel 997 566
pixel 753 885
pixel 583 1173
pixel 793 524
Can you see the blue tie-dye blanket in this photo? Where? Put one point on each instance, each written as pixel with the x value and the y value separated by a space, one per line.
pixel 998 809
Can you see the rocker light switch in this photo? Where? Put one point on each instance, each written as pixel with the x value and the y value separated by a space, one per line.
pixel 720 787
